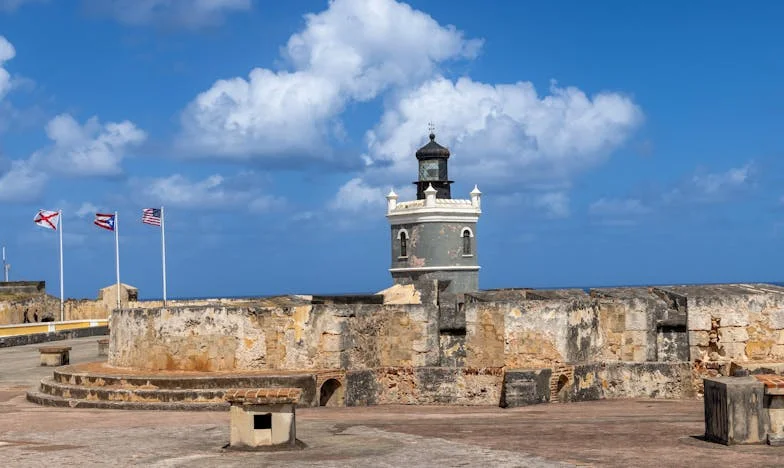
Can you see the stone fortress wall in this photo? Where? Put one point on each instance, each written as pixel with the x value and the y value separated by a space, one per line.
pixel 516 345
pixel 20 298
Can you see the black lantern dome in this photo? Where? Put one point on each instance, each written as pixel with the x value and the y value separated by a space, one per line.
pixel 432 150
pixel 433 169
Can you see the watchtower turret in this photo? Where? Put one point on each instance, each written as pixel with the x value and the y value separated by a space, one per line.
pixel 434 236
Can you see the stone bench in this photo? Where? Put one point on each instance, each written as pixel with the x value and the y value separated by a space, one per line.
pixel 103 347
pixel 262 418
pixel 55 355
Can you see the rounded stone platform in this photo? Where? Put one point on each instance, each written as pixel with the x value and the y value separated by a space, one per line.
pixel 97 385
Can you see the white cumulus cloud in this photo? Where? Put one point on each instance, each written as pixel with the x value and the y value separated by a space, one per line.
pixel 355 195
pixel 89 150
pixel 709 187
pixel 504 133
pixel 86 209
pixel 183 13
pixel 92 149
pixel 716 183
pixel 353 51
pixel 555 204
pixel 213 192
pixel 21 183
pixel 7 52
pixel 506 136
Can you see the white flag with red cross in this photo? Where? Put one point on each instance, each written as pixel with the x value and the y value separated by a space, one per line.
pixel 47 219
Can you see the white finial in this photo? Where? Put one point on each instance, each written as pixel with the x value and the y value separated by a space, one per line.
pixel 476 197
pixel 430 195
pixel 391 200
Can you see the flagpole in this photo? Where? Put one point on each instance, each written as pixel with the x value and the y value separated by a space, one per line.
pixel 117 254
pixel 62 305
pixel 163 253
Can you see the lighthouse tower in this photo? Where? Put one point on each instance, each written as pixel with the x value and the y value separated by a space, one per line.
pixel 434 236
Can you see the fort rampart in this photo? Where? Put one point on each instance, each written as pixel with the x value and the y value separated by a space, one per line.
pixel 604 343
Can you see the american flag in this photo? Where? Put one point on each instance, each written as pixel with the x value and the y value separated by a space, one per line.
pixel 151 216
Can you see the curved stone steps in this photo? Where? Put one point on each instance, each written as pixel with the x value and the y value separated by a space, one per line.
pixel 57 401
pixel 91 386
pixel 193 395
pixel 70 375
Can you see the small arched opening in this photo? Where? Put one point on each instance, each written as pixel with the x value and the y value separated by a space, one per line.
pixel 402 235
pixel 331 393
pixel 467 235
pixel 562 381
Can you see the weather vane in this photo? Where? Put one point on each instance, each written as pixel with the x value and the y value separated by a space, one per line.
pixel 431 127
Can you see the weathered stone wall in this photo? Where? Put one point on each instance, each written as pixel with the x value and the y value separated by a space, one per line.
pixel 27 288
pixel 534 333
pixel 305 336
pixel 735 322
pixel 629 380
pixel 424 386
pixel 13 309
pixel 20 297
pixel 84 309
pixel 530 328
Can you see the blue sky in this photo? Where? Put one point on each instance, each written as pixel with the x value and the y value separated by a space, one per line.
pixel 614 142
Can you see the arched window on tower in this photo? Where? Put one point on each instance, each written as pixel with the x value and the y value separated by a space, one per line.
pixel 403 236
pixel 467 234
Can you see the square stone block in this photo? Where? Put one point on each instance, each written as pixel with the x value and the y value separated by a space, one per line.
pixel 733 334
pixel 525 387
pixel 55 356
pixel 636 319
pixel 699 318
pixel 734 411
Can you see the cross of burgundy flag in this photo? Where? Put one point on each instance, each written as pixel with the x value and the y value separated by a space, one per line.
pixel 47 219
pixel 105 221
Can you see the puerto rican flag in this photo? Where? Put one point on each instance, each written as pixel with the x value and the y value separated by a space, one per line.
pixel 105 221
pixel 48 219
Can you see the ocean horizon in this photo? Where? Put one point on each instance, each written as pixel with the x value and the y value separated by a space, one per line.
pixel 584 288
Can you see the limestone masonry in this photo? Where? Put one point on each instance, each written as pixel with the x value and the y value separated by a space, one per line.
pixel 434 337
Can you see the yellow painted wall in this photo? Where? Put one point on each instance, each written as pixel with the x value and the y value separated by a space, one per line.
pixel 31 328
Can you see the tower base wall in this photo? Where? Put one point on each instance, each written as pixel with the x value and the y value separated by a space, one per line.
pixel 459 281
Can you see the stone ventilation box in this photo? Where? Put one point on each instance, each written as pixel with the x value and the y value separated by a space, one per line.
pixel 262 418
